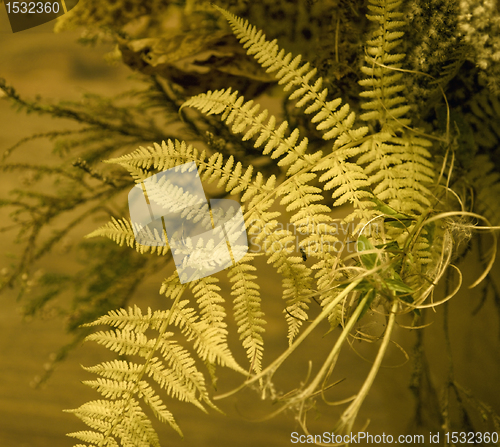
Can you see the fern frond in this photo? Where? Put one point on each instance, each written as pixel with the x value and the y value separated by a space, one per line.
pixel 209 300
pixel 296 288
pixel 297 194
pixel 209 344
pixel 326 274
pixel 292 74
pixel 247 310
pixel 170 154
pixel 160 157
pixel 121 231
pixel 230 175
pixel 278 245
pixel 127 320
pixel 168 364
pixel 243 117
pixel 124 342
pixel 453 65
pixel 332 121
pixel 485 114
pixel 180 378
pixel 485 182
pixel 397 166
pixel 349 179
pixel 172 288
pixel 138 174
pixel 174 198
pixel 121 419
pixel 399 169
pixel 386 104
pixel 309 214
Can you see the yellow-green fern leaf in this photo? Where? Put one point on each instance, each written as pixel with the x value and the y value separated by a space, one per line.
pixel 247 311
pixel 121 231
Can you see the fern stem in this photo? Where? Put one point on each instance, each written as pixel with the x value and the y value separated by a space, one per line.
pixel 277 363
pixel 351 412
pixel 332 357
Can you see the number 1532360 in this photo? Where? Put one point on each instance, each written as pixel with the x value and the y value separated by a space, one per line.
pixel 32 7
pixel 471 437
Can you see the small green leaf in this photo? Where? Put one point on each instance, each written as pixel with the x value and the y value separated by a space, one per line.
pixel 402 224
pixel 388 211
pixel 392 246
pixel 397 285
pixel 392 217
pixel 368 260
